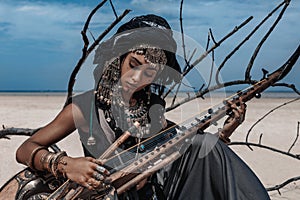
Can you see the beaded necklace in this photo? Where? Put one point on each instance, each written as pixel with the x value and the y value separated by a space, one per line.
pixel 118 115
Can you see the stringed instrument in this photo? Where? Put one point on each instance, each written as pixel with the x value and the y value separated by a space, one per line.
pixel 131 166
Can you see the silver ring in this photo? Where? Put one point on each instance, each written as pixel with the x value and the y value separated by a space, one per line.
pixel 100 169
pixel 98 176
pixel 239 120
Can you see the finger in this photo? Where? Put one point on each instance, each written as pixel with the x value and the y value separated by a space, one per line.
pixel 102 170
pixel 95 183
pixel 243 106
pixel 99 161
pixel 102 186
pixel 91 159
pixel 98 176
pixel 234 107
pixel 238 117
pixel 236 113
pixel 239 109
pixel 107 181
pixel 89 185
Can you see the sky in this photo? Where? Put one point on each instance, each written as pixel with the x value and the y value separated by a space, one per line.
pixel 40 41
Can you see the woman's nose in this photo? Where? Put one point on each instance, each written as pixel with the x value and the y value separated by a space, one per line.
pixel 136 75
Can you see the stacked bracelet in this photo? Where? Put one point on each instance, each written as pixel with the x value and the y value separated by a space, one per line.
pixel 32 156
pixel 55 161
pixel 45 161
pixel 48 160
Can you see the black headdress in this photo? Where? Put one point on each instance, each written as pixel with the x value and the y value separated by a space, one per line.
pixel 141 32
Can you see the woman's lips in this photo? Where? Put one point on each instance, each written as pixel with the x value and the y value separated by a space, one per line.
pixel 131 86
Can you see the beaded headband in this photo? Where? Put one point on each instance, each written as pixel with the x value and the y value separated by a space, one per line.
pixel 156 57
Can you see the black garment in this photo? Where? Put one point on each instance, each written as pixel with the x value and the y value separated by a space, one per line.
pixel 208 170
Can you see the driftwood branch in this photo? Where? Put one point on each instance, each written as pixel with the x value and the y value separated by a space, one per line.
pixel 267 114
pixel 279 186
pixel 86 50
pixel 5 132
pixel 253 57
pixel 247 80
pixel 273 149
pixel 189 67
pixel 297 136
pixel 291 86
pixel 242 43
pixel 295 156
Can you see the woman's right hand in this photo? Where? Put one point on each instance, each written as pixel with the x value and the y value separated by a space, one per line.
pixel 86 171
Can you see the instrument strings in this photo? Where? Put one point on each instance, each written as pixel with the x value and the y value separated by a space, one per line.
pixel 120 159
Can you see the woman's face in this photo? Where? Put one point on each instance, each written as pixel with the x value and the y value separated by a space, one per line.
pixel 136 73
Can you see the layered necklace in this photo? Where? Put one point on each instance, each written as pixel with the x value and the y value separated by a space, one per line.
pixel 118 114
pixel 121 116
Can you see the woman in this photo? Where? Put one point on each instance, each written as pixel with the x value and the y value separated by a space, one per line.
pixel 133 68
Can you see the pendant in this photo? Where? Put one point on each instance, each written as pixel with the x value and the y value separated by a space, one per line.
pixel 91 141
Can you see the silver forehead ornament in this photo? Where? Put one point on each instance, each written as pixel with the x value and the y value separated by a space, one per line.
pixel 154 56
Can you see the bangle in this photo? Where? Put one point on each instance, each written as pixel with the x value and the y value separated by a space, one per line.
pixel 55 160
pixel 64 163
pixel 45 158
pixel 32 156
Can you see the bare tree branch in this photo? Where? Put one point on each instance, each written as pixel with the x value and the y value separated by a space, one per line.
pixel 197 61
pixel 243 42
pixel 86 49
pixel 253 57
pixel 16 131
pixel 292 86
pixel 267 114
pixel 297 136
pixel 295 156
pixel 277 187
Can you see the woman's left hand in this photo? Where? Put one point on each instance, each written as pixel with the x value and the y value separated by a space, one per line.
pixel 236 117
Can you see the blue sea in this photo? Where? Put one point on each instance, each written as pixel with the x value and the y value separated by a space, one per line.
pixel 267 94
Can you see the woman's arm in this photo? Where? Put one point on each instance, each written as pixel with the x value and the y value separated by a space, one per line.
pixel 34 153
pixel 56 130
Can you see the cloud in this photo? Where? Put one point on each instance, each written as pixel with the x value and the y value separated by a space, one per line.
pixel 46 21
pixel 54 26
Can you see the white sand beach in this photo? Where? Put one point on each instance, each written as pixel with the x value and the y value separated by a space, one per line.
pixel 279 130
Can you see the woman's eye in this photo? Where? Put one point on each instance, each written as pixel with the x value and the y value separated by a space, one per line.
pixel 131 65
pixel 149 74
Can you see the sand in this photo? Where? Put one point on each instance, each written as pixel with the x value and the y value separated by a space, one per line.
pixel 279 130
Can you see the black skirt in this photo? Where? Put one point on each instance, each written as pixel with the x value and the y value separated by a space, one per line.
pixel 210 170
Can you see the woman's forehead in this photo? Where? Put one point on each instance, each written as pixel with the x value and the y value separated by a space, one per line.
pixel 140 59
